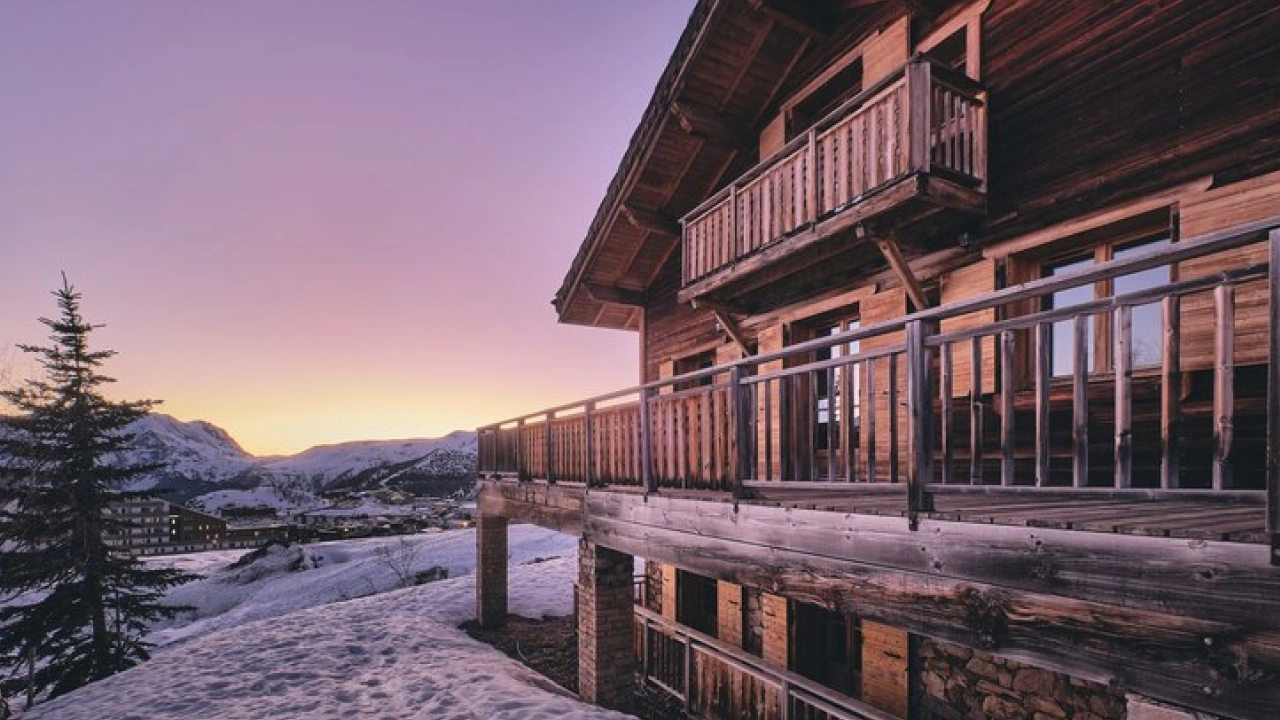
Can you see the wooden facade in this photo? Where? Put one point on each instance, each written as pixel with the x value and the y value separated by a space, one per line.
pixel 960 333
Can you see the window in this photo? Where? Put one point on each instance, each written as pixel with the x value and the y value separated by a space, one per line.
pixel 700 361
pixel 826 647
pixel 1148 323
pixel 696 602
pixel 833 92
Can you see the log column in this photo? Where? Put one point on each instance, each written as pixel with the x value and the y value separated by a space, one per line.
pixel 606 652
pixel 491 570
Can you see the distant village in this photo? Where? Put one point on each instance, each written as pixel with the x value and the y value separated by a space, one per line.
pixel 154 526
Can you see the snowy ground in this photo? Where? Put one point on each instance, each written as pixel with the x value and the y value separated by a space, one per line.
pixel 270 642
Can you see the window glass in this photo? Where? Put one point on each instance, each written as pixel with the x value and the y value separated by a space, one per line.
pixel 1064 332
pixel 1148 320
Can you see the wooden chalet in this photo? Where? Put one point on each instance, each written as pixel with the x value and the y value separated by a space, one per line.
pixel 958 393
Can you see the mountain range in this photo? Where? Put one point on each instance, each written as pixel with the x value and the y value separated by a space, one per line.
pixel 202 462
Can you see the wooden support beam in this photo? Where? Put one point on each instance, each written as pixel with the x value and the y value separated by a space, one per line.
pixel 705 303
pixel 557 507
pixel 615 295
pixel 735 333
pixel 798 16
pixel 709 124
pixel 1186 623
pixel 650 220
pixel 893 255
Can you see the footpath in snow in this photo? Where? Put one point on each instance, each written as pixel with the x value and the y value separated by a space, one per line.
pixel 283 639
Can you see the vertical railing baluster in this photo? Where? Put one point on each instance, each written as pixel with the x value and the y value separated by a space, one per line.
pixel 1273 394
pixel 975 411
pixel 1123 328
pixel 944 403
pixel 871 421
pixel 1007 438
pixel 1080 401
pixel 1223 381
pixel 1171 394
pixel 740 395
pixel 1042 369
pixel 768 428
pixel 833 429
pixel 588 446
pixel 811 425
pixel 893 419
pixel 520 469
pixel 920 414
pixel 646 443
pixel 848 429
pixel 550 416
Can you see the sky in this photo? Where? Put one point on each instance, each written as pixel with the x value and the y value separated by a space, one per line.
pixel 311 221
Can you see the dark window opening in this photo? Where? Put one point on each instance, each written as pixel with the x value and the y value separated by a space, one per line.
pixel 693 363
pixel 952 51
pixel 837 90
pixel 826 647
pixel 696 602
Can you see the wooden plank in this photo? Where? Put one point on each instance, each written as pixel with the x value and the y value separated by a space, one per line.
pixel 1171 395
pixel 945 369
pixel 1273 395
pixel 1007 437
pixel 1223 390
pixel 1042 371
pixel 975 411
pixel 1159 654
pixel 1080 401
pixel 1123 396
pixel 920 414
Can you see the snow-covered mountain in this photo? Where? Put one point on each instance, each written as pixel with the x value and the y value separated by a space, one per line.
pixel 201 459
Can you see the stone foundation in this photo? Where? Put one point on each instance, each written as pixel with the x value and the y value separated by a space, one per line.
pixel 957 683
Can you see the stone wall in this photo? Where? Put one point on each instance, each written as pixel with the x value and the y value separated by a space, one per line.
pixel 956 683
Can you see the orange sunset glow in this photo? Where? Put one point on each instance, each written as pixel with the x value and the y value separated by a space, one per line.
pixel 312 222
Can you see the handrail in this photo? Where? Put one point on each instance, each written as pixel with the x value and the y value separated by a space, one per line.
pixel 1178 252
pixel 784 680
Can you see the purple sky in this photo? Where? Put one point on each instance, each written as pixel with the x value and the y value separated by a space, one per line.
pixel 310 221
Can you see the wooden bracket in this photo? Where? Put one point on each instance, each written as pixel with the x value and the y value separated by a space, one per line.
pixel 615 295
pixel 650 220
pixel 735 333
pixel 893 255
pixel 708 123
pixel 798 16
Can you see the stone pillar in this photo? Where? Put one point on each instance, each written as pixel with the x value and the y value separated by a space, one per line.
pixel 606 627
pixel 491 570
pixel 1141 708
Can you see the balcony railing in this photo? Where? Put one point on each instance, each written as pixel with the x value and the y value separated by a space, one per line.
pixel 893 403
pixel 924 118
pixel 716 679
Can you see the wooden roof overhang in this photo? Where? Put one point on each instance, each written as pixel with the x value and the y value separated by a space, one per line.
pixel 731 66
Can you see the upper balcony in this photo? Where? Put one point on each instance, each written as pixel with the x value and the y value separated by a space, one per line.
pixel 912 147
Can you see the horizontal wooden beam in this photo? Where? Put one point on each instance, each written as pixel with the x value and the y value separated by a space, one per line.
pixel 798 16
pixel 710 124
pixel 714 305
pixel 1226 659
pixel 615 295
pixel 557 507
pixel 650 220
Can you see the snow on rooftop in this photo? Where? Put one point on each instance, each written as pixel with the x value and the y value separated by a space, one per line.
pixel 270 642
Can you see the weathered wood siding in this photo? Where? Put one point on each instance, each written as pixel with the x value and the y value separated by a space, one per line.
pixel 880 307
pixel 673 329
pixel 1218 209
pixel 967 282
pixel 885 660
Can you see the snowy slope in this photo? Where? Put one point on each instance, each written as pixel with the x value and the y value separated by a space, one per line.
pixel 391 656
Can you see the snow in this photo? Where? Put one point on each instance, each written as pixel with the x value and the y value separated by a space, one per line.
pixel 267 642
pixel 261 496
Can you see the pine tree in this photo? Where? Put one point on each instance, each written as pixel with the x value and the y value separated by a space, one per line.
pixel 74 603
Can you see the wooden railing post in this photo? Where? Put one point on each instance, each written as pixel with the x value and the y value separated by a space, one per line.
pixel 811 177
pixel 919 116
pixel 521 470
pixel 1273 396
pixel 739 396
pixel 646 444
pixel 551 476
pixel 588 450
pixel 920 411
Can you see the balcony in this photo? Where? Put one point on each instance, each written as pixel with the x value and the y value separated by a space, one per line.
pixel 910 148
pixel 918 425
